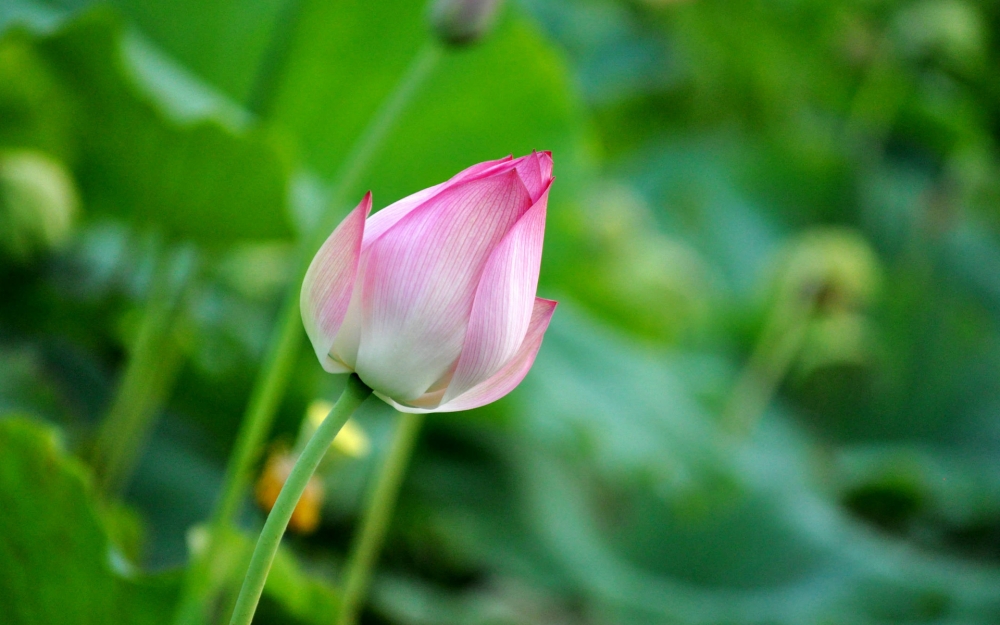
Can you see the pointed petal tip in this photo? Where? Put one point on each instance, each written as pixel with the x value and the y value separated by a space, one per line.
pixel 512 178
pixel 544 195
pixel 364 206
pixel 545 164
pixel 542 313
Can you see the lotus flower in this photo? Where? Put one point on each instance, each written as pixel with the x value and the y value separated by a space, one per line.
pixel 431 301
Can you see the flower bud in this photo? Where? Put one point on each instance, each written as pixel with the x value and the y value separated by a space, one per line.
pixel 835 266
pixel 431 301
pixel 461 22
pixel 38 202
pixel 845 341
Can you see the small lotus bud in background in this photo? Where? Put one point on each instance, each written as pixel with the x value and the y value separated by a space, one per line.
pixel 38 202
pixel 305 517
pixel 832 277
pixel 461 22
pixel 837 266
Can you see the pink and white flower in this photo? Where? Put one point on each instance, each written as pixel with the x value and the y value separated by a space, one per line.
pixel 431 301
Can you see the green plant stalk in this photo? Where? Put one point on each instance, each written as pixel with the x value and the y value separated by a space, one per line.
pixel 354 394
pixel 271 71
pixel 378 515
pixel 286 342
pixel 374 135
pixel 779 344
pixel 153 364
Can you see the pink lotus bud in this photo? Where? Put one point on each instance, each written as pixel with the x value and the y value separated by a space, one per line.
pixel 432 301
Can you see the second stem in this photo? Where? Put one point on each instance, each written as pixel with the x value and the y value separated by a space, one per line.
pixel 378 514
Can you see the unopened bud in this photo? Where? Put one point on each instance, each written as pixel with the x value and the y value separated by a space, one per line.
pixel 461 22
pixel 845 340
pixel 835 266
pixel 38 202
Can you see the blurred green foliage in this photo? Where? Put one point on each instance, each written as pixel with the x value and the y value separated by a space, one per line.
pixel 796 197
pixel 58 564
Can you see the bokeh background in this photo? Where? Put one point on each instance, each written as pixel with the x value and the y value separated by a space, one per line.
pixel 770 394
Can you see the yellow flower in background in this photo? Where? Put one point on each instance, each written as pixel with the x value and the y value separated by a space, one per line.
pixel 305 517
pixel 351 441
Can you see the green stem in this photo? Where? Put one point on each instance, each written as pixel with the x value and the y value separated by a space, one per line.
pixel 274 528
pixel 776 350
pixel 267 82
pixel 153 363
pixel 286 342
pixel 378 514
pixel 366 147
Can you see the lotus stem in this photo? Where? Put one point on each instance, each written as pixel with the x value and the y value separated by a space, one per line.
pixel 354 394
pixel 373 137
pixel 779 344
pixel 153 363
pixel 377 516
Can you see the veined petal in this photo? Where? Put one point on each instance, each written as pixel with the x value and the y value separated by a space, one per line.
pixel 504 302
pixel 386 218
pixel 419 281
pixel 348 340
pixel 545 164
pixel 533 175
pixel 507 378
pixel 329 282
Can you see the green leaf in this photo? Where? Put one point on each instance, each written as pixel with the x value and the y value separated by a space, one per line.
pixel 56 561
pixel 333 63
pixel 58 564
pixel 509 94
pixel 151 144
pixel 223 42
pixel 36 109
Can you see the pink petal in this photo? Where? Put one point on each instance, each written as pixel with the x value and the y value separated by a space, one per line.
pixel 420 280
pixel 329 282
pixel 509 376
pixel 530 170
pixel 504 300
pixel 386 218
pixel 545 164
pixel 345 344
